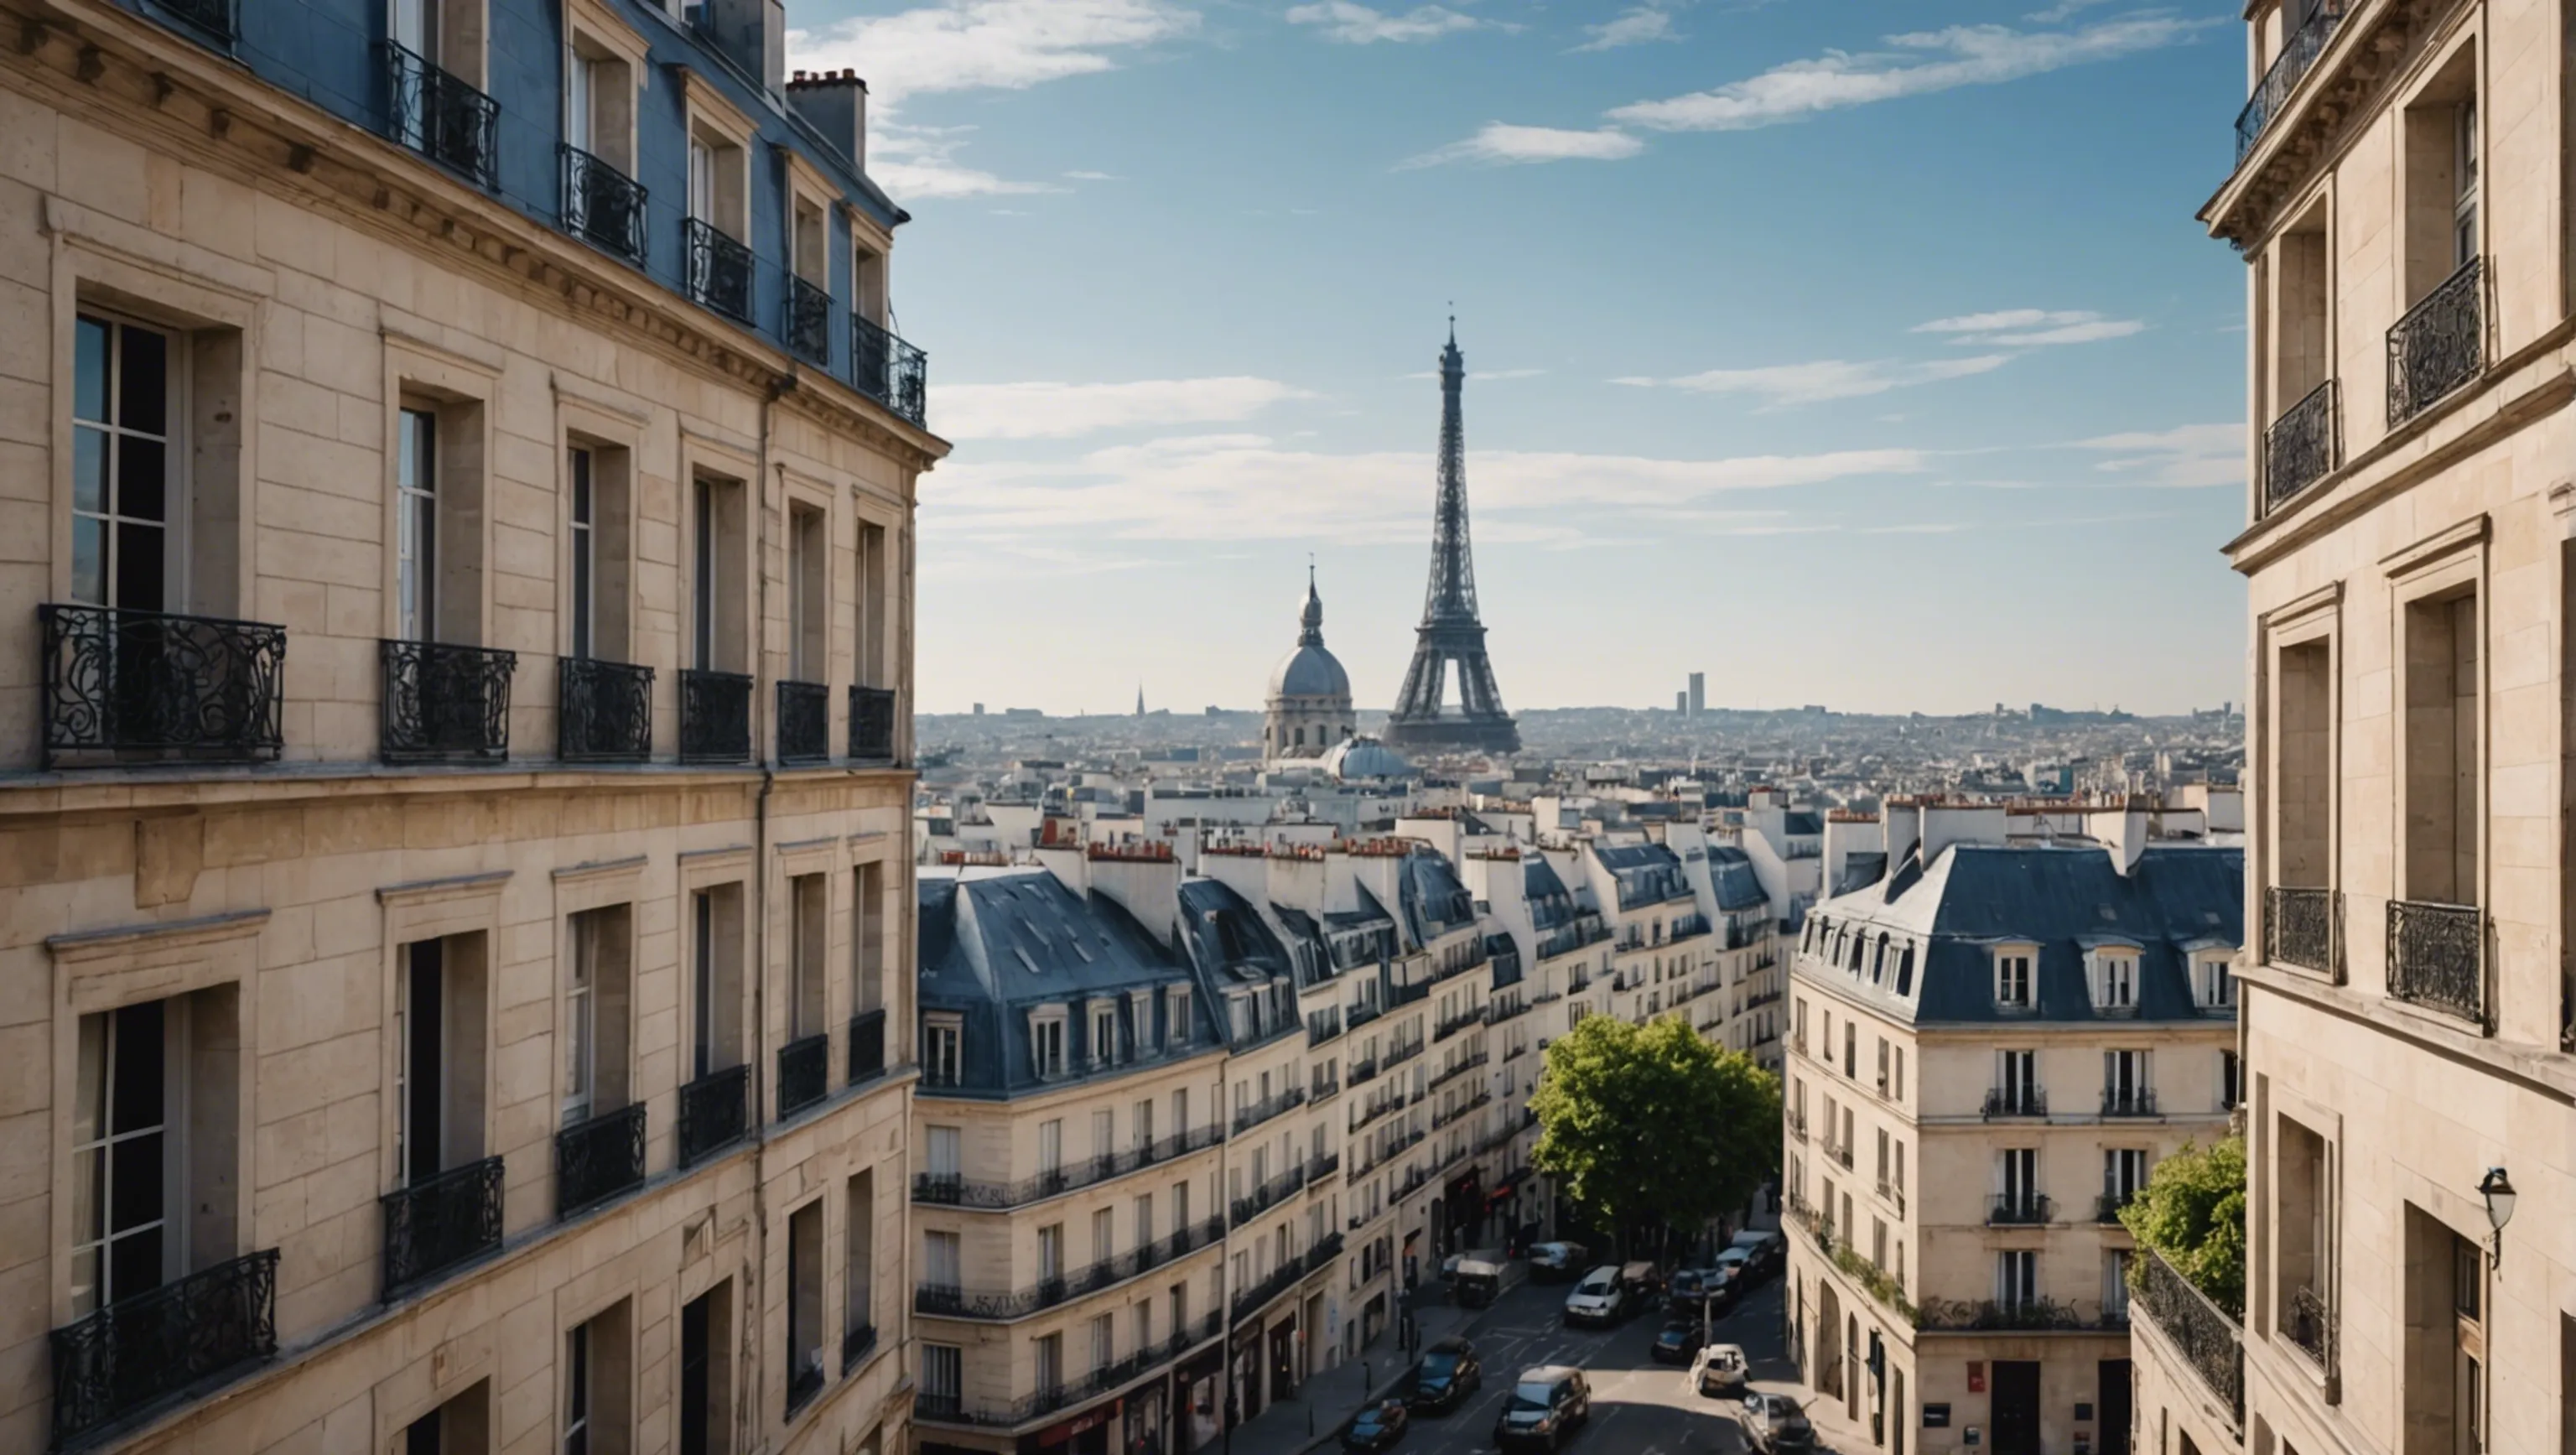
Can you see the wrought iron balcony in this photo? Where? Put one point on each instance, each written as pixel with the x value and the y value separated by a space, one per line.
pixel 1248 1117
pixel 1403 1051
pixel 888 370
pixel 603 206
pixel 1323 1026
pixel 809 322
pixel 872 723
pixel 2106 1208
pixel 804 722
pixel 1465 1065
pixel 947 1190
pixel 2310 1324
pixel 441 117
pixel 2019 1209
pixel 2129 1101
pixel 715 1112
pixel 804 1073
pixel 146 686
pixel 2015 1315
pixel 1281 1279
pixel 440 1222
pixel 1363 1070
pixel 957 1409
pixel 952 1301
pixel 719 269
pixel 214 19
pixel 598 1159
pixel 2302 447
pixel 856 1345
pixel 2437 957
pixel 867 1046
pixel 2298 52
pixel 2304 927
pixel 715 716
pixel 445 701
pixel 2207 1336
pixel 134 1353
pixel 2439 345
pixel 1452 1026
pixel 603 711
pixel 2016 1101
pixel 1268 1195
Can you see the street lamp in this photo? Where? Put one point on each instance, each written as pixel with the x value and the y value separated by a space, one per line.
pixel 2497 1189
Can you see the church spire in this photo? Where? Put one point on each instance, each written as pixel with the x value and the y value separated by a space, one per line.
pixel 1310 620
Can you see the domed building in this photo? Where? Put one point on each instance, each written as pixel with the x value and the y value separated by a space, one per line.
pixel 1309 706
pixel 1362 760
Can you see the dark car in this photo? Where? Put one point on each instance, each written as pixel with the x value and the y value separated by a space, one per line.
pixel 1722 1289
pixel 1558 1262
pixel 1775 1424
pixel 1741 1264
pixel 1448 1373
pixel 1677 1342
pixel 1547 1403
pixel 1377 1427
pixel 1770 1251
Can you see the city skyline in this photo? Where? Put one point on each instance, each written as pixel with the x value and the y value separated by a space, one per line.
pixel 1815 432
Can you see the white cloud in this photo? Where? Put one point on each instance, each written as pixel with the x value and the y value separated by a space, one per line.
pixel 919 162
pixel 2061 12
pixel 1092 176
pixel 2002 318
pixel 1810 383
pixel 1920 63
pixel 2186 457
pixel 1503 143
pixel 1043 410
pixel 1636 25
pixel 965 45
pixel 2025 328
pixel 1356 24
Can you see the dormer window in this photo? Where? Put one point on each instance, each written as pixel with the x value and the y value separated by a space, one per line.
pixel 1046 1043
pixel 1104 1034
pixel 2115 981
pixel 2213 981
pixel 1176 1016
pixel 942 1049
pixel 2016 985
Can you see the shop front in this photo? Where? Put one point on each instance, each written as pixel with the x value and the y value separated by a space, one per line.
pixel 1088 1433
pixel 1198 1399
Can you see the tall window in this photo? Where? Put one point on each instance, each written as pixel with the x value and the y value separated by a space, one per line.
pixel 2017 1182
pixel 804 1302
pixel 125 493
pixel 2017 1277
pixel 2017 1081
pixel 416 526
pixel 2124 1174
pixel 941 1265
pixel 577 1376
pixel 1050 1361
pixel 581 1026
pixel 1051 1252
pixel 1046 1046
pixel 2464 174
pixel 120 1148
pixel 940 1052
pixel 1104 1034
pixel 2115 981
pixel 2013 979
pixel 2128 1084
pixel 702 638
pixel 858 1273
pixel 579 470
pixel 2215 982
pixel 943 1375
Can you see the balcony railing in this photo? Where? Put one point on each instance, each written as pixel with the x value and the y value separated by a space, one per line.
pixel 2298 52
pixel 948 1300
pixel 1251 1300
pixel 2016 1101
pixel 715 716
pixel 943 1190
pixel 1797 1123
pixel 2206 1336
pixel 804 1073
pixel 2439 345
pixel 439 1222
pixel 809 322
pixel 132 1354
pixel 1452 1026
pixel 445 701
pixel 888 370
pixel 215 19
pixel 715 1112
pixel 597 1159
pixel 956 1409
pixel 856 1345
pixel 804 722
pixel 2010 1315
pixel 2129 1101
pixel 867 1046
pixel 719 269
pixel 1323 1026
pixel 1504 1010
pixel 2106 1208
pixel 145 686
pixel 1363 1069
pixel 2302 447
pixel 1398 1054
pixel 442 118
pixel 1268 1195
pixel 2436 957
pixel 2304 927
pixel 872 723
pixel 2310 1324
pixel 1269 1106
pixel 604 711
pixel 2019 1209
pixel 603 206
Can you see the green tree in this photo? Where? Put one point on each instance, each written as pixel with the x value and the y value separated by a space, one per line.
pixel 1651 1130
pixel 2192 1212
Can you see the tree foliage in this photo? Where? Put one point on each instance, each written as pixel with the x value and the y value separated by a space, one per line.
pixel 1650 1127
pixel 2192 1212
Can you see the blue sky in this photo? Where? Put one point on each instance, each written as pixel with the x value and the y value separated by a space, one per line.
pixel 1856 353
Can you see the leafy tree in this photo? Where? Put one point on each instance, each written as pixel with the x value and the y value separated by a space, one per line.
pixel 1651 1130
pixel 2192 1212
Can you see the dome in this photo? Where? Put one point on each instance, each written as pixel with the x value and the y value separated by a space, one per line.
pixel 1310 671
pixel 1356 758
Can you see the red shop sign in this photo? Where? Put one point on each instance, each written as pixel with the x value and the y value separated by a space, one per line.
pixel 1976 1376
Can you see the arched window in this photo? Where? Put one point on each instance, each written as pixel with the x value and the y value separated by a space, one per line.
pixel 1878 966
pixel 1905 971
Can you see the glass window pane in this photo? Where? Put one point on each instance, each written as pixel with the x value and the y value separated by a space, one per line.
pixel 89 1195
pixel 142 478
pixel 134 1182
pixel 89 561
pixel 89 470
pixel 89 1091
pixel 89 370
pixel 137 1088
pixel 139 584
pixel 143 381
pixel 134 1265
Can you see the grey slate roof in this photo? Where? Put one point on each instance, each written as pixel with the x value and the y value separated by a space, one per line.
pixel 1860 870
pixel 1730 874
pixel 1647 873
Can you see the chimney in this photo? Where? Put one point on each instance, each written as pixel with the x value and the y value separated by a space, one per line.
pixel 1901 819
pixel 2123 831
pixel 834 103
pixel 753 35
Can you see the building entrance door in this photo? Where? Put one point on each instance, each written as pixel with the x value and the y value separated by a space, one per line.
pixel 2016 1407
pixel 2114 1405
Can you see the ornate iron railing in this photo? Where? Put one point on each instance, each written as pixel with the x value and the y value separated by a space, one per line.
pixel 2208 1339
pixel 867 1046
pixel 2439 345
pixel 719 269
pixel 888 370
pixel 2310 1324
pixel 603 206
pixel 1503 1010
pixel 1281 1279
pixel 2304 927
pixel 856 1345
pixel 953 1301
pixel 1269 1106
pixel 1452 1026
pixel 715 1112
pixel 804 722
pixel 2106 1208
pixel 445 701
pixel 2016 1101
pixel 1268 1195
pixel 2298 52
pixel 872 722
pixel 126 686
pixel 439 1222
pixel 2019 1209
pixel 1962 1315
pixel 1452 1073
pixel 2302 447
pixel 715 716
pixel 134 1353
pixel 809 322
pixel 598 1159
pixel 1362 1070
pixel 955 1409
pixel 942 1190
pixel 804 1073
pixel 441 117
pixel 2437 957
pixel 603 711
pixel 2129 1101
pixel 214 19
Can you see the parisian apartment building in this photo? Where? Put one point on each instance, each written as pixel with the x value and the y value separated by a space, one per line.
pixel 454 734
pixel 2001 1022
pixel 2401 199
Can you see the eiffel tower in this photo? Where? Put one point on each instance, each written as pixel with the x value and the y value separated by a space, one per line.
pixel 1450 634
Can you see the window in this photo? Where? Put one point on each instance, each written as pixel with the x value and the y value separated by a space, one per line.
pixel 941 1060
pixel 1104 1034
pixel 438 1011
pixel 858 1273
pixel 596 999
pixel 2017 1191
pixel 804 1303
pixel 2013 986
pixel 2464 182
pixel 2017 1277
pixel 1176 1011
pixel 2017 1090
pixel 2440 790
pixel 2230 1082
pixel 1050 1361
pixel 716 984
pixel 943 1376
pixel 1046 1044
pixel 1051 1145
pixel 717 634
pixel 809 594
pixel 596 1362
pixel 2115 1285
pixel 706 1372
pixel 121 1155
pixel 416 525
pixel 941 1260
pixel 580 469
pixel 2124 1176
pixel 125 467
pixel 2214 982
pixel 1104 1343
pixel 2115 982
pixel 2128 1084
pixel 808 910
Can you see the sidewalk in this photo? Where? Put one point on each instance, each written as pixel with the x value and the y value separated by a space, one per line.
pixel 1313 1419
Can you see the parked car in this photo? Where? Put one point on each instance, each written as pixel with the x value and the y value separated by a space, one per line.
pixel 1643 1282
pixel 1548 1402
pixel 1477 1283
pixel 1723 1292
pixel 1598 1299
pixel 1448 1373
pixel 1377 1427
pixel 1720 1369
pixel 1738 1264
pixel 1677 1341
pixel 1558 1262
pixel 1775 1424
pixel 1770 1250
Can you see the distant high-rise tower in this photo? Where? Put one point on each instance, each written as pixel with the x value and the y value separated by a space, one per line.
pixel 1698 693
pixel 1140 699
pixel 1451 634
